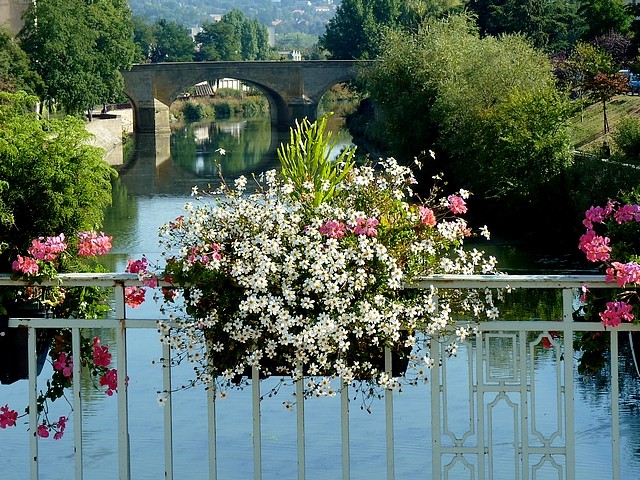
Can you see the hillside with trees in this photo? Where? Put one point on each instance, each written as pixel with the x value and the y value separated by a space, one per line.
pixel 285 16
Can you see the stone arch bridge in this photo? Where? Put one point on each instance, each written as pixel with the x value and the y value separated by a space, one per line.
pixel 293 89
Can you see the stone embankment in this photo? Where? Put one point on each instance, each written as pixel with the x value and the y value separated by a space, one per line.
pixel 108 130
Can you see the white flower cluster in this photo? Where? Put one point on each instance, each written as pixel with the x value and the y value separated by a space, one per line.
pixel 272 284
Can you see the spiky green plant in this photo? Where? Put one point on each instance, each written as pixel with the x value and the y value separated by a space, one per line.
pixel 307 161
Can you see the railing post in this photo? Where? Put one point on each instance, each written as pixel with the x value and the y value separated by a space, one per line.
pixel 344 430
pixel 567 320
pixel 213 431
pixel 300 421
pixel 77 401
pixel 615 406
pixel 257 430
pixel 168 411
pixel 436 433
pixel 388 400
pixel 124 466
pixel 33 404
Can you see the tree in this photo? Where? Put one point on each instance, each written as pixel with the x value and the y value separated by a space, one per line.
pixel 15 71
pixel 173 43
pixel 79 48
pixel 234 37
pixel 55 182
pixel 218 41
pixel 603 87
pixel 355 30
pixel 604 16
pixel 143 39
pixel 553 25
pixel 488 106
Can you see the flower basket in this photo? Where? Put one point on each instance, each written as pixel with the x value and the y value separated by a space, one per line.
pixel 14 353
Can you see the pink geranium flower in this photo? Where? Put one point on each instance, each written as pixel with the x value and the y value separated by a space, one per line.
pixel 48 248
pixel 134 296
pixel 594 246
pixel 64 364
pixel 427 217
pixel 90 243
pixel 333 229
pixel 101 355
pixel 457 204
pixel 26 265
pixel 366 226
pixel 7 417
pixel 615 313
pixel 43 431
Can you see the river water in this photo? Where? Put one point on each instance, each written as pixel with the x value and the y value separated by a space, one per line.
pixel 154 184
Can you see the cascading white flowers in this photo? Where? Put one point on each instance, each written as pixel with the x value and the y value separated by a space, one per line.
pixel 274 283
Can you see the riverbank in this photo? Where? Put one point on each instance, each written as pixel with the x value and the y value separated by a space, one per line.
pixel 108 131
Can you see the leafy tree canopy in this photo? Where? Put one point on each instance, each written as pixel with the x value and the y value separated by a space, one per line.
pixel 51 181
pixel 172 43
pixel 488 106
pixel 15 71
pixel 553 25
pixel 78 47
pixel 605 16
pixel 234 37
pixel 356 31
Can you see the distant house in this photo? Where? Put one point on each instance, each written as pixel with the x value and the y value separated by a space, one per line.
pixel 293 55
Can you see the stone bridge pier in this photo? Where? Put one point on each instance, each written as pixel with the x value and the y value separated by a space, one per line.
pixel 293 89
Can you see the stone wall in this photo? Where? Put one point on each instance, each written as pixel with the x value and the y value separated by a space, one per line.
pixel 11 13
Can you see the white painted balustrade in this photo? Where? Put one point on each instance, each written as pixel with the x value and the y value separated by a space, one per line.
pixel 489 384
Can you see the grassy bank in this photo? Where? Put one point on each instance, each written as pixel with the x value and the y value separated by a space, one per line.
pixel 587 126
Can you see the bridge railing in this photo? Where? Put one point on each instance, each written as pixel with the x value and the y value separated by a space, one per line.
pixel 472 451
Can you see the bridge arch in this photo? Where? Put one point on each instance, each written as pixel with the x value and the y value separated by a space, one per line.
pixel 293 89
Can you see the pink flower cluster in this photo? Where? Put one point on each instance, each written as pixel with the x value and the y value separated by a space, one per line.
pixel 48 249
pixel 623 273
pixel 366 226
pixel 456 204
pixel 597 249
pixel 333 229
pixel 363 226
pixel 110 380
pixel 58 427
pixel 204 255
pixel 64 364
pixel 615 313
pixel 92 243
pixel 427 216
pixel 101 355
pixel 7 417
pixel 135 296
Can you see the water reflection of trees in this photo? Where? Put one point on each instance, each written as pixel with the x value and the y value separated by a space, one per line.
pixel 532 304
pixel 247 143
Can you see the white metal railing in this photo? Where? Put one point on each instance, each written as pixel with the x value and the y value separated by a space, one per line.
pixel 475 457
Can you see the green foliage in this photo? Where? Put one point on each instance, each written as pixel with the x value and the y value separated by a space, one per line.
pixel 79 47
pixel 307 161
pixel 53 181
pixel 192 111
pixel 15 71
pixel 488 106
pixel 172 43
pixel 234 37
pixel 627 141
pixel 553 25
pixel 604 16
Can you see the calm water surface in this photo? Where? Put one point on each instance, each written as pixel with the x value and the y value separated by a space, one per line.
pixel 151 190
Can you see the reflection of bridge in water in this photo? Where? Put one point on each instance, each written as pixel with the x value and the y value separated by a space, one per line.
pixel 156 164
pixel 293 89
